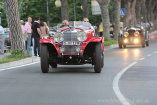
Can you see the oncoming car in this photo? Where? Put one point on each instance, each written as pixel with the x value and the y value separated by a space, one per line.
pixel 133 35
pixel 74 45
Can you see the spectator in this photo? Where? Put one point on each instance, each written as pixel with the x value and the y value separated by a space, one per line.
pixel 65 23
pixel 101 29
pixel 37 35
pixel 2 40
pixel 47 28
pixel 28 33
pixel 111 32
pixel 23 30
pixel 43 29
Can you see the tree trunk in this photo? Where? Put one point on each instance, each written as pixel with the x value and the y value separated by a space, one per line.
pixel 139 5
pixel 133 15
pixel 127 17
pixel 64 10
pixel 13 19
pixel 144 11
pixel 117 6
pixel 85 8
pixel 105 16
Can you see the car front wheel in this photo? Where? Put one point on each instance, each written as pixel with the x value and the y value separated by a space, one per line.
pixel 120 42
pixel 44 58
pixel 98 58
pixel 143 42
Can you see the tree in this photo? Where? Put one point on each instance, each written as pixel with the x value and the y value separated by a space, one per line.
pixel 13 19
pixel 105 16
pixel 139 5
pixel 64 10
pixel 130 16
pixel 85 8
pixel 117 6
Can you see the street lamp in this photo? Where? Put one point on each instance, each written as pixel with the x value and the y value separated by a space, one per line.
pixel 94 3
pixel 58 3
pixel 48 21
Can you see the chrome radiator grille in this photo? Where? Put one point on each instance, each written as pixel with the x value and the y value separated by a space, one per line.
pixel 70 36
pixel 131 33
pixel 70 50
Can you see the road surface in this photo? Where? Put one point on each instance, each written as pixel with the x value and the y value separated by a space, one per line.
pixel 128 78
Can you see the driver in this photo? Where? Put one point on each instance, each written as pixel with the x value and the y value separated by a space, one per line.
pixel 65 23
pixel 85 19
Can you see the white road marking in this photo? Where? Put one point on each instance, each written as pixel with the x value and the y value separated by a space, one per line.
pixel 155 52
pixel 141 59
pixel 19 66
pixel 149 55
pixel 116 86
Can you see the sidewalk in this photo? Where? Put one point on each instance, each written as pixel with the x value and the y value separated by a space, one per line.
pixel 4 55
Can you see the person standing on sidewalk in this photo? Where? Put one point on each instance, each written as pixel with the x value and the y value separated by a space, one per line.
pixel 2 40
pixel 37 35
pixel 28 32
pixel 23 30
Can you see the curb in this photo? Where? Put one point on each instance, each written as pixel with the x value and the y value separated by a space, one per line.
pixel 110 47
pixel 20 62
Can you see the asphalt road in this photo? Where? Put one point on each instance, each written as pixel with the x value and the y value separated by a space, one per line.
pixel 79 85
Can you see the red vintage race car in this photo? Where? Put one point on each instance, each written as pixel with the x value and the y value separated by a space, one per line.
pixel 74 45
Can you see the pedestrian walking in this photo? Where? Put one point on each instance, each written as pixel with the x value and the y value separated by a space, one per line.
pixel 28 34
pixel 2 40
pixel 37 35
pixel 101 29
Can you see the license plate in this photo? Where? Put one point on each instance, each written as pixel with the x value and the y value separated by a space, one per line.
pixel 71 43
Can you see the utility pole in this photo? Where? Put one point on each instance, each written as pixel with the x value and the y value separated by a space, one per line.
pixel 48 20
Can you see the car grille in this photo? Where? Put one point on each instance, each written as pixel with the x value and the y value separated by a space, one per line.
pixel 70 36
pixel 131 33
pixel 70 50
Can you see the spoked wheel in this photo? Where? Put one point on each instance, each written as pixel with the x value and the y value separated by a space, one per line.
pixel 98 58
pixel 143 42
pixel 44 58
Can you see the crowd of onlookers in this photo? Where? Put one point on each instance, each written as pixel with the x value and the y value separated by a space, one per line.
pixel 32 32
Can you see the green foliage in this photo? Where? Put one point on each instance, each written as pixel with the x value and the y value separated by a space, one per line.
pixel 108 42
pixel 16 55
pixel 32 8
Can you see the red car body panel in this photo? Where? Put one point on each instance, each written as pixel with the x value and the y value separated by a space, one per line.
pixel 91 38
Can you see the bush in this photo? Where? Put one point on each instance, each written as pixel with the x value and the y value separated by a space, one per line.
pixel 108 42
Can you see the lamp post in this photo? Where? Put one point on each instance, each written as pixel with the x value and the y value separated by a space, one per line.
pixel 94 4
pixel 0 18
pixel 48 19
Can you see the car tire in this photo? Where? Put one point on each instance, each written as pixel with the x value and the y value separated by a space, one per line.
pixel 143 42
pixel 120 42
pixel 102 61
pixel 44 58
pixel 124 46
pixel 98 58
pixel 54 65
pixel 147 43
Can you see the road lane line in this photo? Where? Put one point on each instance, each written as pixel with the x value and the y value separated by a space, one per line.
pixel 149 55
pixel 155 52
pixel 141 59
pixel 19 66
pixel 116 86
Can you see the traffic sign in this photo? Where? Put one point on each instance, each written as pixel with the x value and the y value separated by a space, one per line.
pixel 122 12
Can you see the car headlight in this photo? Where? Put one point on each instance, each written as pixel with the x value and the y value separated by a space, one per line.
pixel 58 37
pixel 126 34
pixel 81 36
pixel 136 33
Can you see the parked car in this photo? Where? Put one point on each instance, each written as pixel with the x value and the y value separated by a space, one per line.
pixel 6 34
pixel 134 35
pixel 74 45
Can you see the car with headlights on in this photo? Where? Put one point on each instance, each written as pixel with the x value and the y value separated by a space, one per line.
pixel 134 35
pixel 74 45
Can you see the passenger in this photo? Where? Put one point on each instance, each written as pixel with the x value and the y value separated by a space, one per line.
pixel 65 23
pixel 85 19
pixel 43 29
